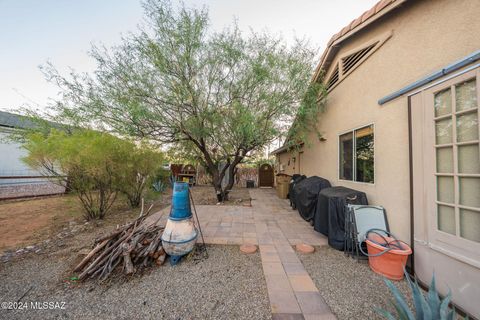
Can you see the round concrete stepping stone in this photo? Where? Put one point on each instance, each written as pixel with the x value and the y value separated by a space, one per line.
pixel 248 248
pixel 304 248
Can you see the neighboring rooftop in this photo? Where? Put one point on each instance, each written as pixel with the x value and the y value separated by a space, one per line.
pixel 11 120
pixel 17 121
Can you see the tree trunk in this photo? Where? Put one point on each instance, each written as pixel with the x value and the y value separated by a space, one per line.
pixel 217 179
pixel 218 175
pixel 230 172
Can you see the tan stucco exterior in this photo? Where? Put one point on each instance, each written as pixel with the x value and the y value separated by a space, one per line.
pixel 425 37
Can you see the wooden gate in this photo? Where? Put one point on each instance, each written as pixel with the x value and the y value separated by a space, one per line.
pixel 265 175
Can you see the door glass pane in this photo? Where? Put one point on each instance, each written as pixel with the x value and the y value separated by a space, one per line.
pixel 470 225
pixel 446 219
pixel 469 158
pixel 443 131
pixel 467 127
pixel 445 189
pixel 443 103
pixel 445 160
pixel 346 156
pixel 470 192
pixel 364 154
pixel 466 95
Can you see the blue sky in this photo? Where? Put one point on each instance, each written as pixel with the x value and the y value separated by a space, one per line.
pixel 34 31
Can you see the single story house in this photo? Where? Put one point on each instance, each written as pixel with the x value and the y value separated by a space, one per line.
pixel 17 180
pixel 402 125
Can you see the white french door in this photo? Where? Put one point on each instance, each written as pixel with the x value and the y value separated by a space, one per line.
pixel 446 186
pixel 452 120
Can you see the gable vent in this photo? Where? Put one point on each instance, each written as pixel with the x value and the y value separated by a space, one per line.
pixel 333 78
pixel 349 62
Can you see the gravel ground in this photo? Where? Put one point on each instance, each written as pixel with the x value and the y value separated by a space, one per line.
pixel 227 285
pixel 351 289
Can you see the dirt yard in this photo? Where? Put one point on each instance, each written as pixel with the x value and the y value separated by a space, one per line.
pixel 31 221
pixel 27 222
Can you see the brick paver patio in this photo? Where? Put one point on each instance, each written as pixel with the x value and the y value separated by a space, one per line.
pixel 275 227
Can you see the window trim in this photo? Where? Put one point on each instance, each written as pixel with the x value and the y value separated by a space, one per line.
pixel 354 154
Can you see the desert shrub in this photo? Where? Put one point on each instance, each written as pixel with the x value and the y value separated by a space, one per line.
pixel 95 165
pixel 139 167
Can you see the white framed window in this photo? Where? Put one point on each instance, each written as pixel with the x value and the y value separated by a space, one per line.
pixel 356 161
pixel 457 170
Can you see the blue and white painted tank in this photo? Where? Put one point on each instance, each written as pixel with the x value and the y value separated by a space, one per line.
pixel 180 234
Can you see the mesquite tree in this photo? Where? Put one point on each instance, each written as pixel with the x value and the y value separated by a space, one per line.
pixel 220 95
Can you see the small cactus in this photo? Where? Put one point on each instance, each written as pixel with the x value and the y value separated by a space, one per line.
pixel 159 186
pixel 429 307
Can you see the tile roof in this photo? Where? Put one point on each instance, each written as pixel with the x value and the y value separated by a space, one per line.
pixel 378 10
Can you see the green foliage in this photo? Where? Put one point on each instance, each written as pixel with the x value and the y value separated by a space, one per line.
pixel 93 165
pixel 183 153
pixel 161 180
pixel 218 96
pixel 87 158
pixel 312 104
pixel 137 167
pixel 430 307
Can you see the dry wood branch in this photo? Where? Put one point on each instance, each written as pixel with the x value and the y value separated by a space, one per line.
pixel 127 249
pixel 136 244
pixel 90 255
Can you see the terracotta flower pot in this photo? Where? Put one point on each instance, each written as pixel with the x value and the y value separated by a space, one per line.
pixel 390 264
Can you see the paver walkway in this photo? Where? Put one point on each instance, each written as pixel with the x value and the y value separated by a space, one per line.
pixel 275 227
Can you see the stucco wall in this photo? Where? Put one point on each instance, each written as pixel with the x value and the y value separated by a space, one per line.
pixel 427 35
pixel 286 161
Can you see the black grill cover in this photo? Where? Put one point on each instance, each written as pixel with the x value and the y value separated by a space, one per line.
pixel 296 178
pixel 330 212
pixel 306 194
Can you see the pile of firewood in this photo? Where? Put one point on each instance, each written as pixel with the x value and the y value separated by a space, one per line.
pixel 133 246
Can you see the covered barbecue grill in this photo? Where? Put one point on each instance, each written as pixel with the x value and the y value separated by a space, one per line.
pixel 306 194
pixel 330 212
pixel 296 178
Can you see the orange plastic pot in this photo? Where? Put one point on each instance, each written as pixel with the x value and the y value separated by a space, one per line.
pixel 392 262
